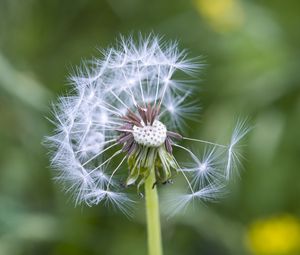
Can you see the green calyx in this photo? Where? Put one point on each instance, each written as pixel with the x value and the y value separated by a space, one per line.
pixel 146 158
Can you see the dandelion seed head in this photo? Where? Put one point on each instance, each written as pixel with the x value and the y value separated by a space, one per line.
pixel 122 118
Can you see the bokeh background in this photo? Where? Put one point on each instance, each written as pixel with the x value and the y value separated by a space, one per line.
pixel 251 50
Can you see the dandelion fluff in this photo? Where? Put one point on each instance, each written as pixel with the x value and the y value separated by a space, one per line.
pixel 122 118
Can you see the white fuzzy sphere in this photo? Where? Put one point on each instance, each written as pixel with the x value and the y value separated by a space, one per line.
pixel 87 145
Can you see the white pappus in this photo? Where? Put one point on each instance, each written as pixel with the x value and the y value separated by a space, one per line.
pixel 124 117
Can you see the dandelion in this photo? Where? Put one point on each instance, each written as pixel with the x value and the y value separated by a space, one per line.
pixel 121 123
pixel 275 235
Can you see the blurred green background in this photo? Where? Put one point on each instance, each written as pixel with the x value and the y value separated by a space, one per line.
pixel 253 57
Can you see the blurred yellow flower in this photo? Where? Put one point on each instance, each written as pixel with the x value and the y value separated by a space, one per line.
pixel 222 15
pixel 275 236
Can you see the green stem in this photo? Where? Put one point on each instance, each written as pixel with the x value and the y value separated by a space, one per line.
pixel 152 211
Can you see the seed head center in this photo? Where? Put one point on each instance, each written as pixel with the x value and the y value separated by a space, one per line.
pixel 150 136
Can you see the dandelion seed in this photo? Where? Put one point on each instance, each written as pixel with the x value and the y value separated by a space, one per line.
pixel 124 119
